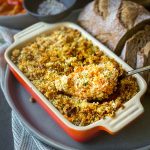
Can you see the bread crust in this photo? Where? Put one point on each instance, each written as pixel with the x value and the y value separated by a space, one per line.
pixel 136 51
pixel 111 25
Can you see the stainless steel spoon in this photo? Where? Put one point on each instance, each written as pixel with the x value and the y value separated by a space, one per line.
pixel 138 70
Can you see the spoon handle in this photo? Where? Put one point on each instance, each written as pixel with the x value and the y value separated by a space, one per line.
pixel 138 70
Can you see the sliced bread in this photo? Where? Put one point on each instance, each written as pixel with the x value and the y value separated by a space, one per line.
pixel 113 22
pixel 146 55
pixel 132 53
pixel 145 3
pixel 136 52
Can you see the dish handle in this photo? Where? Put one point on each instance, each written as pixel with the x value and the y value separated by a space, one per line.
pixel 132 110
pixel 30 30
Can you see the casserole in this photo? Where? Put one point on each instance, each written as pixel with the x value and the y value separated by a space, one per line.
pixel 133 107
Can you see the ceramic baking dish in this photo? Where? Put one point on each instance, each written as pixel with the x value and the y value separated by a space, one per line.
pixel 133 107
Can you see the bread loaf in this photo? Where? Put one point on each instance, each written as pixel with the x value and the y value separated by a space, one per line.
pixel 134 45
pixel 146 51
pixel 145 55
pixel 136 51
pixel 113 22
pixel 145 3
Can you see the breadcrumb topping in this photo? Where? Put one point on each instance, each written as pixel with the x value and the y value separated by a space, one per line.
pixel 82 82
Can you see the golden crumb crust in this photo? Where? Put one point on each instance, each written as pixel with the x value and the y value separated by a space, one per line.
pixel 93 81
pixel 75 76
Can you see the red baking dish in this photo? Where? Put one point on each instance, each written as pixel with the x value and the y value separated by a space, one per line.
pixel 133 107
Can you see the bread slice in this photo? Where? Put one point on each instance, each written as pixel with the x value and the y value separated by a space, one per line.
pixel 145 3
pixel 113 22
pixel 148 74
pixel 145 52
pixel 132 52
pixel 136 51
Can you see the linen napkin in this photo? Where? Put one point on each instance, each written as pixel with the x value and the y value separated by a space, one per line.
pixel 23 139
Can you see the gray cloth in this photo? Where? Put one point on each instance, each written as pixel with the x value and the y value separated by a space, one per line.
pixel 23 139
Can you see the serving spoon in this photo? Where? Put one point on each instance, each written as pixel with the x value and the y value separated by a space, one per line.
pixel 129 73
